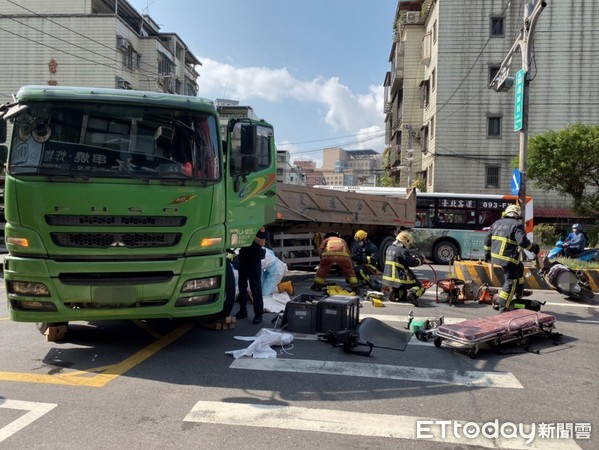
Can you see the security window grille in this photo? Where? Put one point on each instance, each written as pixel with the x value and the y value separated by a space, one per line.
pixel 494 127
pixel 497 26
pixel 492 179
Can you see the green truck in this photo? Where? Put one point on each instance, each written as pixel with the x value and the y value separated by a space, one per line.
pixel 122 204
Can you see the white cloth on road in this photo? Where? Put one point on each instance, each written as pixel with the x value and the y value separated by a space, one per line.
pixel 261 345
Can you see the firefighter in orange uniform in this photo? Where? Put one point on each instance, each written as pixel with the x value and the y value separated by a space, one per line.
pixel 334 251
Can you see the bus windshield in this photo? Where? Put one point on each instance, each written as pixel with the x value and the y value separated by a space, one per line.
pixel 104 140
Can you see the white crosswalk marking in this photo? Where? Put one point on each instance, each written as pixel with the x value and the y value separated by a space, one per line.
pixel 350 423
pixel 34 410
pixel 382 371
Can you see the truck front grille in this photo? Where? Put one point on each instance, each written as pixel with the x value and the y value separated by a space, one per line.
pixel 115 240
pixel 114 221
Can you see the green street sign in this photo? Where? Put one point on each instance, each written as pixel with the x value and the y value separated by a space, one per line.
pixel 519 99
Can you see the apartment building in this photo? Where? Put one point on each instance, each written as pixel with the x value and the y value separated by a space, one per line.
pixel 342 167
pixel 437 97
pixel 97 43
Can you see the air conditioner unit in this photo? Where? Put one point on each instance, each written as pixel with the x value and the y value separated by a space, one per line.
pixel 413 17
pixel 123 84
pixel 122 43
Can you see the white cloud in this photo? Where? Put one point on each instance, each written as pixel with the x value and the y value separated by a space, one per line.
pixel 342 109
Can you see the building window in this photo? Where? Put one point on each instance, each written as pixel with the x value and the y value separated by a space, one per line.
pixel 424 136
pixel 494 127
pixel 435 32
pixel 493 72
pixel 497 26
pixel 424 93
pixel 433 78
pixel 492 178
pixel 431 125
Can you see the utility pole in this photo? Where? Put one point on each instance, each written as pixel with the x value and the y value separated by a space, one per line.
pixel 503 82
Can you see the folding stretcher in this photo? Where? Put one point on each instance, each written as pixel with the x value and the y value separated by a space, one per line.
pixel 496 330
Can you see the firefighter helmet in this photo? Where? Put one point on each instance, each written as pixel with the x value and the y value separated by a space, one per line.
pixel 360 235
pixel 513 211
pixel 406 238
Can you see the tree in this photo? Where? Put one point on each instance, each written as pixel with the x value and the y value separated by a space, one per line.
pixel 567 161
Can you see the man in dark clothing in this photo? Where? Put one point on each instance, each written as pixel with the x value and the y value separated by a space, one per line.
pixel 502 248
pixel 366 256
pixel 250 270
pixel 397 273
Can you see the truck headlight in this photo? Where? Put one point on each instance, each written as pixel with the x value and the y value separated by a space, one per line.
pixel 28 288
pixel 201 284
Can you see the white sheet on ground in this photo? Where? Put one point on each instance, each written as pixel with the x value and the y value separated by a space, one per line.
pixel 261 345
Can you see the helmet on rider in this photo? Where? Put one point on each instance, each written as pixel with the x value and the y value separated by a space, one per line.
pixel 360 235
pixel 577 226
pixel 513 211
pixel 406 238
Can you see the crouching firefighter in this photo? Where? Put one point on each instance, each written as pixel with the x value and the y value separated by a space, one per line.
pixel 397 273
pixel 334 251
pixel 501 248
pixel 366 257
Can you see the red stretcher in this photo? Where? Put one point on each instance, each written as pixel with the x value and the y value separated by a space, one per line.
pixel 496 330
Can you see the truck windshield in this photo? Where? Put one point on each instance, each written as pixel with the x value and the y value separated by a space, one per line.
pixel 104 140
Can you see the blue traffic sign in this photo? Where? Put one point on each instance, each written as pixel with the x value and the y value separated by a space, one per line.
pixel 516 182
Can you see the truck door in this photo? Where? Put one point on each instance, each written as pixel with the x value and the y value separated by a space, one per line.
pixel 251 183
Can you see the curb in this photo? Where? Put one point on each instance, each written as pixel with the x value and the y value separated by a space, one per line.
pixel 478 272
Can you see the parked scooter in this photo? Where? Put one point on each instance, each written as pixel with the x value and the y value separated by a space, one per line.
pixel 572 284
pixel 587 255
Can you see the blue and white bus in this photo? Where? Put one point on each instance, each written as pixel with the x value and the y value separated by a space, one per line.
pixel 450 226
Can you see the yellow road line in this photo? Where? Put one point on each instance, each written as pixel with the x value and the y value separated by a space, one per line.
pixel 100 376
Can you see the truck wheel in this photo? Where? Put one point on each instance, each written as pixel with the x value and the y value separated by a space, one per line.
pixel 385 243
pixel 444 252
pixel 437 342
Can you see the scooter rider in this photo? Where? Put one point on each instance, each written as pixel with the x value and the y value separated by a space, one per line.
pixel 365 256
pixel 575 242
pixel 397 273
pixel 501 247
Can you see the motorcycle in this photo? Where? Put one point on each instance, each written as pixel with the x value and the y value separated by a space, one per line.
pixel 587 255
pixel 572 284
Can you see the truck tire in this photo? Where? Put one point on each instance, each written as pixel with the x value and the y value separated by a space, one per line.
pixel 385 243
pixel 445 251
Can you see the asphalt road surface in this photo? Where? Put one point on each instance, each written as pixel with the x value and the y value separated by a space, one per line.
pixel 170 384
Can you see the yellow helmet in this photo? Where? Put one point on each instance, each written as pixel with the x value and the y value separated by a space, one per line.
pixel 360 235
pixel 406 238
pixel 513 211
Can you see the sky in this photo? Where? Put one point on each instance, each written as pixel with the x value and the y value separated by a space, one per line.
pixel 314 69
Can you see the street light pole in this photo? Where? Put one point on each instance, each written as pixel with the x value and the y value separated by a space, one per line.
pixel 503 82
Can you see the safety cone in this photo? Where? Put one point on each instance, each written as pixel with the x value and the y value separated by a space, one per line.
pixel 286 286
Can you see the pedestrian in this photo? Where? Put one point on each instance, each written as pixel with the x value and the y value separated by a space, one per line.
pixel 334 251
pixel 397 273
pixel 502 248
pixel 366 258
pixel 250 270
pixel 576 242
